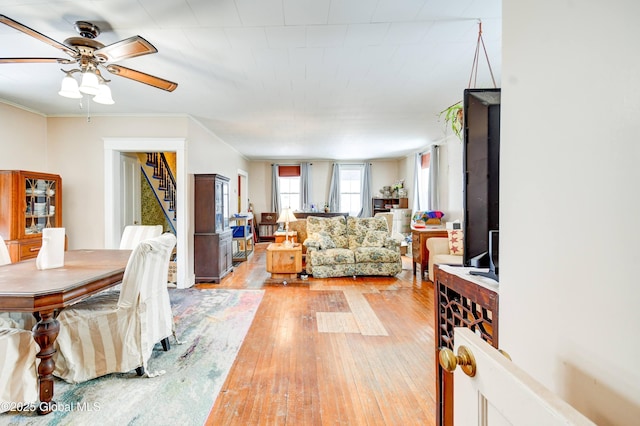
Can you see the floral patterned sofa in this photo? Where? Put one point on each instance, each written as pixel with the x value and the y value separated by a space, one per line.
pixel 356 246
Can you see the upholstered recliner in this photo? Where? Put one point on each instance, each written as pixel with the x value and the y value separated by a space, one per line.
pixel 357 246
pixel 116 331
pixel 440 252
pixel 18 373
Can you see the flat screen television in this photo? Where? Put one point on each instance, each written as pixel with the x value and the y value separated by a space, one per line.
pixel 481 165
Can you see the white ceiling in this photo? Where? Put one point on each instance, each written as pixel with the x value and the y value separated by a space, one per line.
pixel 276 79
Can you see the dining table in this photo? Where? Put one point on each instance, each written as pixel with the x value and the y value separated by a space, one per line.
pixel 44 293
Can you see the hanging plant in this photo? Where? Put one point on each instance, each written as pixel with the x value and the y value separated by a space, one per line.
pixel 453 118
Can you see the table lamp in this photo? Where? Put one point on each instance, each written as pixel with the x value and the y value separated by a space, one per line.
pixel 287 216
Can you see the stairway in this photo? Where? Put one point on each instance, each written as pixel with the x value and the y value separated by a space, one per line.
pixel 158 173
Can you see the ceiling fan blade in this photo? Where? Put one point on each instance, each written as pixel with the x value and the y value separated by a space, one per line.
pixel 35 60
pixel 158 82
pixel 123 49
pixel 35 34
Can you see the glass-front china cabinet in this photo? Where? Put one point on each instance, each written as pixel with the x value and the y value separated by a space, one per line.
pixel 29 202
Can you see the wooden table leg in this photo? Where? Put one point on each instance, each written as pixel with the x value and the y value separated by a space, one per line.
pixel 44 333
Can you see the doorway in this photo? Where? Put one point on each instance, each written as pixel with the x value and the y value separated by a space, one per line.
pixel 130 194
pixel 113 148
pixel 243 191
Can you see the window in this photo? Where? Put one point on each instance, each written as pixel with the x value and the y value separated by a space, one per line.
pixel 350 187
pixel 289 182
pixel 424 181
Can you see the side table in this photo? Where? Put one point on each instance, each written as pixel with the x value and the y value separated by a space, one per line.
pixel 284 262
pixel 419 250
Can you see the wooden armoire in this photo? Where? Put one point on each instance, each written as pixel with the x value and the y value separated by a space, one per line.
pixel 213 251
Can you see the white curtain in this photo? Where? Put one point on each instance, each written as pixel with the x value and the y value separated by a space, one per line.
pixel 305 185
pixel 417 169
pixel 275 189
pixel 365 191
pixel 334 189
pixel 433 202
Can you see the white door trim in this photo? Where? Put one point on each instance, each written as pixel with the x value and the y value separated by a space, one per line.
pixel 112 149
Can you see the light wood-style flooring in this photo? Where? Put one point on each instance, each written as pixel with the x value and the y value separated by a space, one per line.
pixel 337 351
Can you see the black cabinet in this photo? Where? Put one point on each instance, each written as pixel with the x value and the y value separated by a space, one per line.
pixel 213 254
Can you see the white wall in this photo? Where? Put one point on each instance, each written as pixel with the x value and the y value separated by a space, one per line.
pixel 23 140
pixel 384 172
pixel 569 199
pixel 451 182
pixel 76 152
pixel 210 154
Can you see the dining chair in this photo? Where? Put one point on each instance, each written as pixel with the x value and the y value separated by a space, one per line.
pixel 5 259
pixel 22 320
pixel 18 373
pixel 115 332
pixel 133 234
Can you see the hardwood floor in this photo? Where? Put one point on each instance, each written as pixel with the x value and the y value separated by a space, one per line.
pixel 372 363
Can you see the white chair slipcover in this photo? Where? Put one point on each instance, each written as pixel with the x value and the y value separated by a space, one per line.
pixel 22 320
pixel 18 373
pixel 5 259
pixel 116 331
pixel 133 234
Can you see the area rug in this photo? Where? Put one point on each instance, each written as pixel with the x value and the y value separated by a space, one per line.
pixel 211 324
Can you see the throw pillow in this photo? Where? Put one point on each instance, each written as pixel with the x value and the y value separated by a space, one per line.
pixel 326 242
pixel 312 240
pixel 374 238
pixel 456 242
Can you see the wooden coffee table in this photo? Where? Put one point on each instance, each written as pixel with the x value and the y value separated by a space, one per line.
pixel 284 262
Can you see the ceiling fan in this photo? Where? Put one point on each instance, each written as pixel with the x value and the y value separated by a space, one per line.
pixel 91 56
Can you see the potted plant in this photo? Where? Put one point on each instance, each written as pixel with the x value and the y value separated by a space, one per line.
pixel 453 118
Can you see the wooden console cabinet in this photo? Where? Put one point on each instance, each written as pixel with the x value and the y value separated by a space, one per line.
pixel 419 250
pixel 461 300
pixel 268 226
pixel 213 241
pixel 383 205
pixel 29 202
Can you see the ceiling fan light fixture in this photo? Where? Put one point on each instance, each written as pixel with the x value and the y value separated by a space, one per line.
pixel 89 83
pixel 104 95
pixel 69 88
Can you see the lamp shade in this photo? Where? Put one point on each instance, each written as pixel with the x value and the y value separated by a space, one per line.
pixel 104 95
pixel 69 88
pixel 89 83
pixel 287 216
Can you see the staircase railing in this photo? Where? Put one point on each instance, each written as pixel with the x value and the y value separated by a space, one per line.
pixel 166 183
